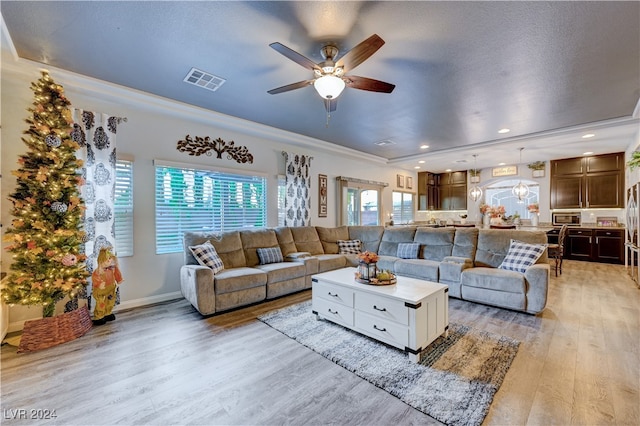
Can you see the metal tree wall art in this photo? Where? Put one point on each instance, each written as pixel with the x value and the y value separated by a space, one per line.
pixel 206 145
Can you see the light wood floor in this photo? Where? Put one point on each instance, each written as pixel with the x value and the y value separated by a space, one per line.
pixel 578 364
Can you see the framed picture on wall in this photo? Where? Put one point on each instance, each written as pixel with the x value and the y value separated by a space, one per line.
pixel 400 182
pixel 322 195
pixel 409 182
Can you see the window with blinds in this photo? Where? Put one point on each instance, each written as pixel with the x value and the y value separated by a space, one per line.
pixel 123 208
pixel 402 207
pixel 192 200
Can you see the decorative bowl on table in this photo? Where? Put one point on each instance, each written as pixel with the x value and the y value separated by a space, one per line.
pixel 382 278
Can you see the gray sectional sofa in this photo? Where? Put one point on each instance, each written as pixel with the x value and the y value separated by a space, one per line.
pixel 465 259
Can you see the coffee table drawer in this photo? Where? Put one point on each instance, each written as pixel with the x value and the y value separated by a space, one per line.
pixel 381 307
pixel 334 311
pixel 386 331
pixel 333 293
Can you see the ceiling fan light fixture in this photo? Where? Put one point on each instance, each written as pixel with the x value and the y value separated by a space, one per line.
pixel 329 86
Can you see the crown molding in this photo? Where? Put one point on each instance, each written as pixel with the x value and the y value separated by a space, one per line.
pixel 91 87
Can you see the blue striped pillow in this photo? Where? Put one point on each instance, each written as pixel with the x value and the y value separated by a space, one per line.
pixel 408 250
pixel 270 255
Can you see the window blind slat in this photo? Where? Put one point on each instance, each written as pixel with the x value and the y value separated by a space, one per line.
pixel 205 200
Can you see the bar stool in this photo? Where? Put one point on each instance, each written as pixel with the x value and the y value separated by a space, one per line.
pixel 556 251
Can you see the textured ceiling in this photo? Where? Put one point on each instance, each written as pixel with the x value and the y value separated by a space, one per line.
pixel 462 70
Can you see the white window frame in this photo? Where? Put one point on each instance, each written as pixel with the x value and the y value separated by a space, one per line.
pixel 123 207
pixel 211 200
pixel 406 210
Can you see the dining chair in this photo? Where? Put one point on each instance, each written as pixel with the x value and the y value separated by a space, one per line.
pixel 556 251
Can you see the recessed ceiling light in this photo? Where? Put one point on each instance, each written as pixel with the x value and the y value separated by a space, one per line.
pixel 501 164
pixel 587 153
pixel 416 167
pixel 421 162
pixel 588 135
pixel 424 146
pixel 460 161
pixel 505 130
pixel 384 142
pixel 448 170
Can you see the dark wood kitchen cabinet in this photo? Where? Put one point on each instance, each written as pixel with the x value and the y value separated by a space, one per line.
pixel 595 245
pixel 588 182
pixel 579 244
pixel 427 191
pixel 452 191
pixel 445 191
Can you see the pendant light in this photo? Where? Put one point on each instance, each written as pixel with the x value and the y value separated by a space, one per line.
pixel 521 191
pixel 475 193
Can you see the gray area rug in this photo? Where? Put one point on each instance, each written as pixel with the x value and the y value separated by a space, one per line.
pixel 454 383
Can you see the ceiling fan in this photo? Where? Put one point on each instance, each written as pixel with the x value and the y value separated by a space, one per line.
pixel 330 77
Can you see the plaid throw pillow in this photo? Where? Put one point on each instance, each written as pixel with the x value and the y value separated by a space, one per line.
pixel 349 246
pixel 521 256
pixel 270 255
pixel 408 250
pixel 206 255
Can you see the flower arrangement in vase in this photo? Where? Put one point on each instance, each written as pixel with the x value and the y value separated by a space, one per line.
pixel 367 269
pixel 534 209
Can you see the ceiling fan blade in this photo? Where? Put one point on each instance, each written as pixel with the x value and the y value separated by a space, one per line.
pixel 294 56
pixel 360 53
pixel 364 83
pixel 293 86
pixel 331 104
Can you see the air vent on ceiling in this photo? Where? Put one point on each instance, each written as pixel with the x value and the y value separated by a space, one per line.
pixel 204 79
pixel 385 142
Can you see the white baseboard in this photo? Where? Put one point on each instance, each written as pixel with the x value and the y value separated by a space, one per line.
pixel 136 303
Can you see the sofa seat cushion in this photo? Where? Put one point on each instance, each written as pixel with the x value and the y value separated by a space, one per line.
pixel 417 268
pixel 283 271
pixel 494 279
pixel 329 262
pixel 230 280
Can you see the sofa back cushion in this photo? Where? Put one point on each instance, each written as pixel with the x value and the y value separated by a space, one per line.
pixel 255 239
pixel 493 245
pixel 285 240
pixel 369 236
pixel 436 243
pixel 465 243
pixel 227 244
pixel 306 239
pixel 329 238
pixel 394 236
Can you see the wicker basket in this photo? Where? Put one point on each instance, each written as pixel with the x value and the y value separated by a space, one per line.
pixel 47 332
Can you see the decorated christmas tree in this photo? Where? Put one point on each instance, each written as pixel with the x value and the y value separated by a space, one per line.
pixel 46 233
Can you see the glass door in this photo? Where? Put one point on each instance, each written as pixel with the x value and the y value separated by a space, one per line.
pixel 362 206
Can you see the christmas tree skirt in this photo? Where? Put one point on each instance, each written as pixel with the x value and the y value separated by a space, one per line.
pixel 51 331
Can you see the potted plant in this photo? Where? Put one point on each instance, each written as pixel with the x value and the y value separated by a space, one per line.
pixel 635 160
pixel 538 168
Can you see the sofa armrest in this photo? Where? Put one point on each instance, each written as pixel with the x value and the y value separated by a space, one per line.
pixel 196 285
pixel 537 277
pixel 297 256
pixel 460 260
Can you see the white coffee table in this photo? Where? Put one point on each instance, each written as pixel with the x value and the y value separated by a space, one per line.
pixel 408 315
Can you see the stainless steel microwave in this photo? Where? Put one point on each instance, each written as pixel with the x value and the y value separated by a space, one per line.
pixel 566 218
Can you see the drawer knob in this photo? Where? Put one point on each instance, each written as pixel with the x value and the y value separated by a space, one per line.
pixel 379 309
pixel 378 328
